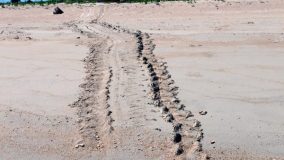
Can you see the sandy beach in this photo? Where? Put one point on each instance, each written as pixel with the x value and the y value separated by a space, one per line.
pixel 172 80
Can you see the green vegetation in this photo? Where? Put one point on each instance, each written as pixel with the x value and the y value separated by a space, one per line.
pixel 47 2
pixel 41 3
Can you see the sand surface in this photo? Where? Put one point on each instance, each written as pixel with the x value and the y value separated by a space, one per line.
pixel 40 72
pixel 82 85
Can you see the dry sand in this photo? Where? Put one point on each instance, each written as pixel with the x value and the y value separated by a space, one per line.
pixel 221 57
pixel 40 73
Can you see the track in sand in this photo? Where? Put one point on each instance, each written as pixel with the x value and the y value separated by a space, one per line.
pixel 128 108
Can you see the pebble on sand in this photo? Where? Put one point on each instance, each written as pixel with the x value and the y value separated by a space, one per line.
pixel 57 10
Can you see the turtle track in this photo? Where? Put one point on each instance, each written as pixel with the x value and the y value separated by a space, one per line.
pixel 187 130
pixel 95 120
pixel 93 103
